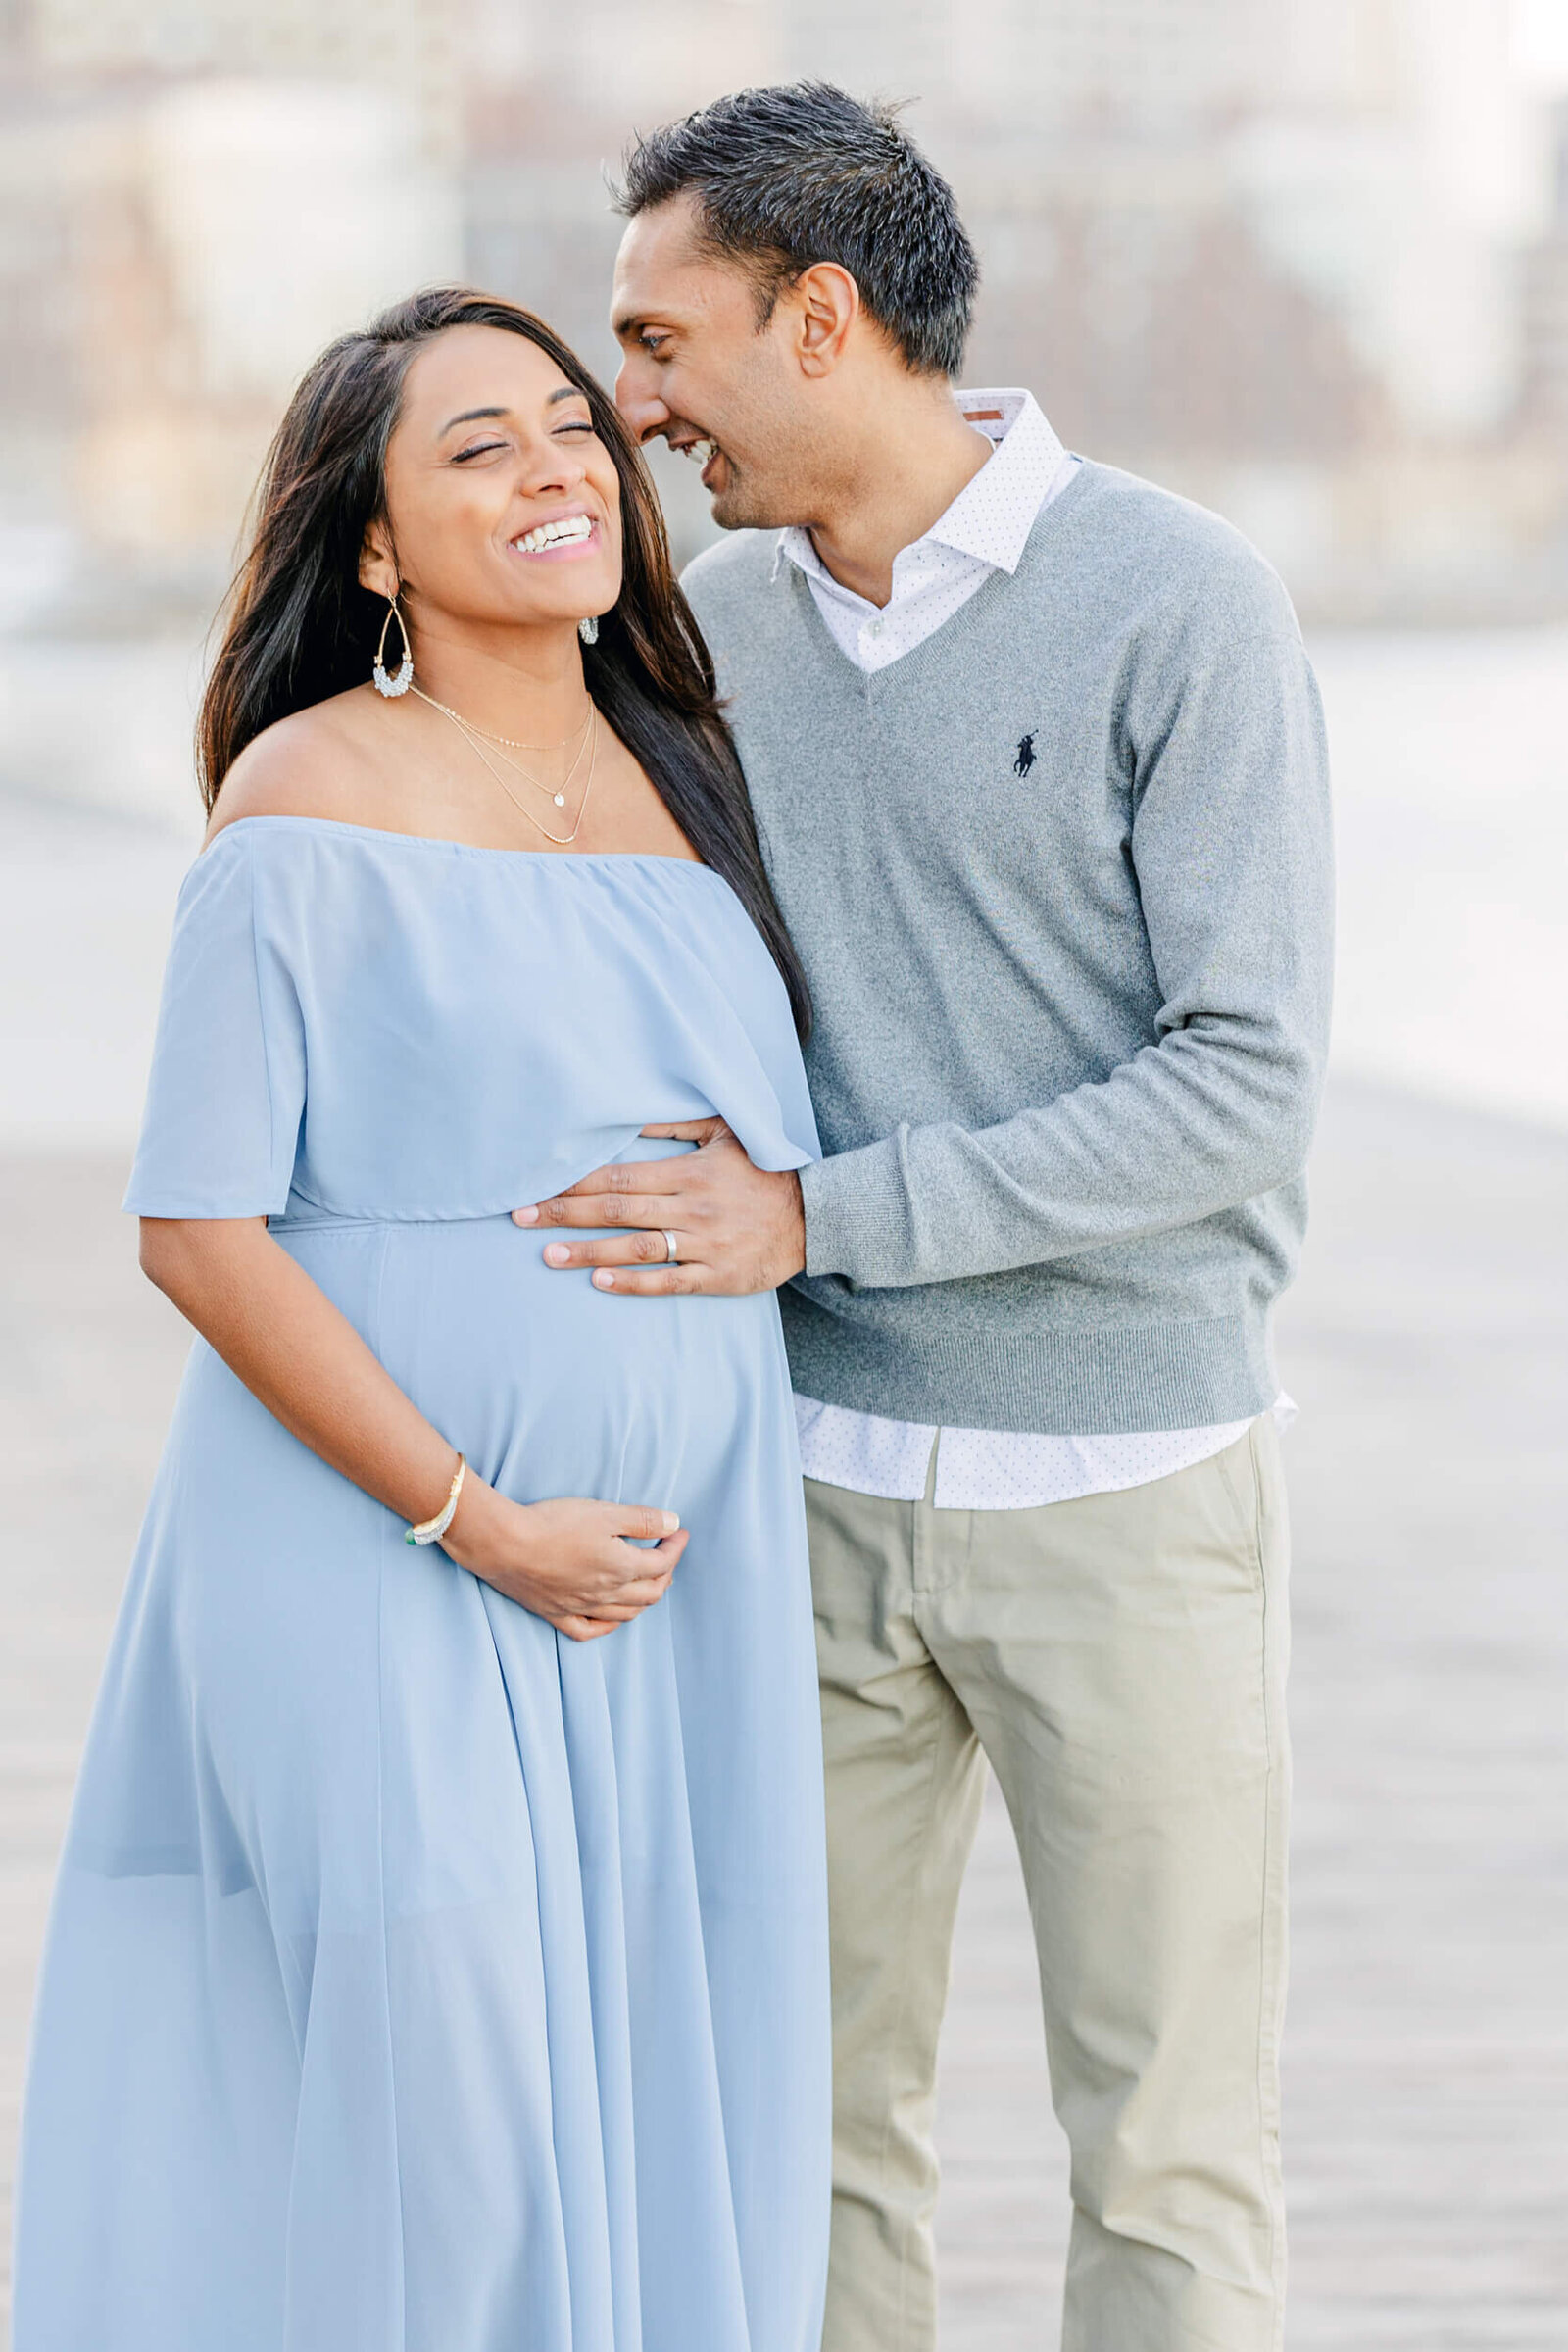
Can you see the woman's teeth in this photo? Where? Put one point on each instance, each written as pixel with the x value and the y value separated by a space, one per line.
pixel 555 534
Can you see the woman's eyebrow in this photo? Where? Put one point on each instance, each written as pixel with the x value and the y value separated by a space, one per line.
pixel 468 416
pixel 472 415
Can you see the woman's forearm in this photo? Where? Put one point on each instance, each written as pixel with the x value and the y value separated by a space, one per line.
pixel 576 1561
pixel 295 1351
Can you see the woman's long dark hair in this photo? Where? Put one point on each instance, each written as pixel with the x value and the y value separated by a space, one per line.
pixel 299 627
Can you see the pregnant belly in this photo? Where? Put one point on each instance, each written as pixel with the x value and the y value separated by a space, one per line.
pixel 549 1386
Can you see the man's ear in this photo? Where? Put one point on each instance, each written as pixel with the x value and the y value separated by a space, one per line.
pixel 378 570
pixel 827 303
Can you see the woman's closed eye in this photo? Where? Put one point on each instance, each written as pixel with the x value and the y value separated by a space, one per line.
pixel 579 426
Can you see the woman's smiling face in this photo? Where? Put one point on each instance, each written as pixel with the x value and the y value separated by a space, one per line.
pixel 503 504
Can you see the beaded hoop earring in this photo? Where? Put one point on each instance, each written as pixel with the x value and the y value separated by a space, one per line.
pixel 404 677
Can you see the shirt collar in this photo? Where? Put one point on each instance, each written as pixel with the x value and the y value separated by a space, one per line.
pixel 992 523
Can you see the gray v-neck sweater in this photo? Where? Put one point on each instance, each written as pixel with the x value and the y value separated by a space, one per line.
pixel 1062 880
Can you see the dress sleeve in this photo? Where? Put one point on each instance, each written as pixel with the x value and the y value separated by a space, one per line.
pixel 226 1095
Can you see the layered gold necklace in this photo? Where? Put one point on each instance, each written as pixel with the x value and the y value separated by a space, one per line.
pixel 585 735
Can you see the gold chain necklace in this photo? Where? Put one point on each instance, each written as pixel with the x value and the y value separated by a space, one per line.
pixel 556 793
pixel 562 841
pixel 511 743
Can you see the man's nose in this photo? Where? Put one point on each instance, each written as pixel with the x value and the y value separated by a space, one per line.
pixel 638 400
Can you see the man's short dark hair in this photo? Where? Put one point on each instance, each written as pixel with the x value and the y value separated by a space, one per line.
pixel 799 173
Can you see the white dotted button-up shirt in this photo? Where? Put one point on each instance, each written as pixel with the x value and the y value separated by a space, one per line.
pixel 984 530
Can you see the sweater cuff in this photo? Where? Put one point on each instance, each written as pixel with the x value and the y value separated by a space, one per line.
pixel 850 1202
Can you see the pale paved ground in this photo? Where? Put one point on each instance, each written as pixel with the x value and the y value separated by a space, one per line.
pixel 1428 2053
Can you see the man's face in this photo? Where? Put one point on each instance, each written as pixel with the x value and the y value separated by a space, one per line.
pixel 699 372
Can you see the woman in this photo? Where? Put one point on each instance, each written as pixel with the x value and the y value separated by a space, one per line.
pixel 438 1957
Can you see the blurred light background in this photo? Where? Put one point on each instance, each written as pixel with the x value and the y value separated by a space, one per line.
pixel 1303 260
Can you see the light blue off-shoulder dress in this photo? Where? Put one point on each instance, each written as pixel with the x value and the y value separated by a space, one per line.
pixel 417 1980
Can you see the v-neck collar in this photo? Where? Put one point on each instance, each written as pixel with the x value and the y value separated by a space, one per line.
pixel 951 633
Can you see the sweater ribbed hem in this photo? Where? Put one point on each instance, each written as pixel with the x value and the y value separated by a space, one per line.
pixel 1099 1383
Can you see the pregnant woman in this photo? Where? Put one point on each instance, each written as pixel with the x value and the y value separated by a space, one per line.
pixel 438 1957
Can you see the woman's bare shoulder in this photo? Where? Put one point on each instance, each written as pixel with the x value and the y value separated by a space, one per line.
pixel 316 762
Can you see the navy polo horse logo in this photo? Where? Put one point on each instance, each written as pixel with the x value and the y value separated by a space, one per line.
pixel 1024 758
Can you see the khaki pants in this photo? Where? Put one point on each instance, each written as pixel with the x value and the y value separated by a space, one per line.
pixel 1120 1660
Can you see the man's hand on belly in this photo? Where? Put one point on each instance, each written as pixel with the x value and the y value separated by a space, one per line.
pixel 737 1228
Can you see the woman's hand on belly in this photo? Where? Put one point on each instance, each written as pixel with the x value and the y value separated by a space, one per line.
pixel 569 1561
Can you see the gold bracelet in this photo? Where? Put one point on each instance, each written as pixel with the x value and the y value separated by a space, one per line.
pixel 432 1531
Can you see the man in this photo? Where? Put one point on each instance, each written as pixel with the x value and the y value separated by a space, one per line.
pixel 1039 769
